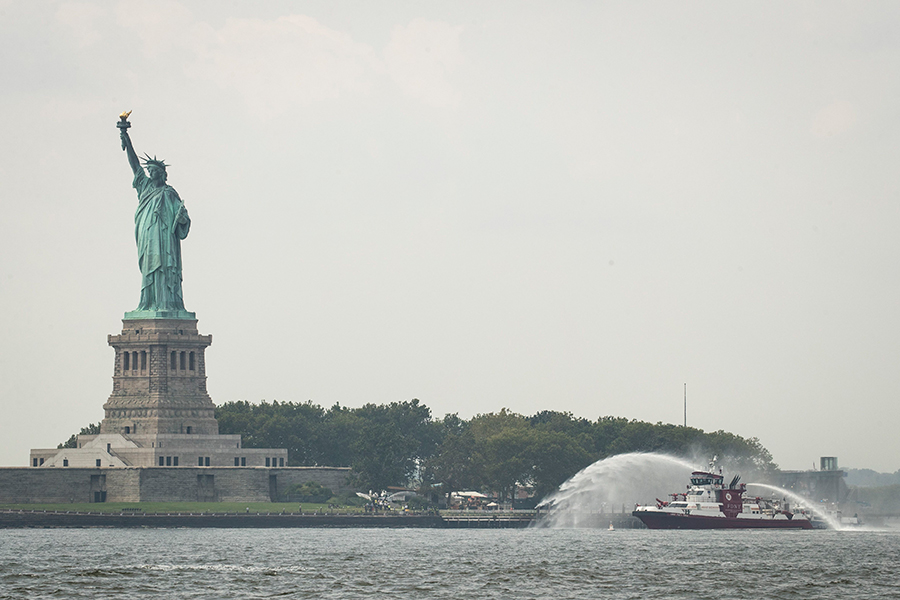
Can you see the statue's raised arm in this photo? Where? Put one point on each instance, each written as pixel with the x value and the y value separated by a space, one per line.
pixel 123 126
pixel 160 223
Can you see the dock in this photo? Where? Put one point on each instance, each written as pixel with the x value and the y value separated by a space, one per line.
pixel 130 518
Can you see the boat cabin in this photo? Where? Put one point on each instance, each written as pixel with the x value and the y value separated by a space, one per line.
pixel 702 478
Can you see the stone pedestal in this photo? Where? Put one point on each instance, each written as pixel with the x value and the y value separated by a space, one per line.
pixel 159 414
pixel 159 380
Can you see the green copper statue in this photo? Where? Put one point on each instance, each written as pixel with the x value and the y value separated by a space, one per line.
pixel 160 223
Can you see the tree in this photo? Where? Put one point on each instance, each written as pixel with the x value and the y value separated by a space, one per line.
pixel 277 425
pixel 308 491
pixel 382 455
pixel 453 466
pixel 390 443
pixel 400 443
pixel 72 442
pixel 502 444
pixel 748 456
pixel 556 457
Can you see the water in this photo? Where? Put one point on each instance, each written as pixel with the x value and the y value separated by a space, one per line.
pixel 458 564
pixel 799 501
pixel 615 484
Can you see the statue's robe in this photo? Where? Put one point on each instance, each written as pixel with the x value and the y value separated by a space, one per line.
pixel 160 223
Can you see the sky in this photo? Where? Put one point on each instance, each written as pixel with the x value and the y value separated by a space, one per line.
pixel 572 206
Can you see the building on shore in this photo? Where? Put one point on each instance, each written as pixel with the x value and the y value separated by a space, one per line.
pixel 825 485
pixel 159 413
pixel 159 439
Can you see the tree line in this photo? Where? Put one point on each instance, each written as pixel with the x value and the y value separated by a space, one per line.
pixel 401 444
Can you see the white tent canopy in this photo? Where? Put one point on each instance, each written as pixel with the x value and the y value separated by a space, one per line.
pixel 469 495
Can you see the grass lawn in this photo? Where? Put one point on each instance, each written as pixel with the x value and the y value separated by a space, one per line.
pixel 187 507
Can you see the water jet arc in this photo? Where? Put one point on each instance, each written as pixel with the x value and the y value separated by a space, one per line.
pixel 832 522
pixel 616 482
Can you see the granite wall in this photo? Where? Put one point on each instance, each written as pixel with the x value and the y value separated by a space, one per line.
pixel 28 485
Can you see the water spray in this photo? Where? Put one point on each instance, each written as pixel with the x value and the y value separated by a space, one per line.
pixel 833 523
pixel 618 481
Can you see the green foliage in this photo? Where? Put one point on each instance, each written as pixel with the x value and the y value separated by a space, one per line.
pixel 556 457
pixel 308 491
pixel 72 442
pixel 400 444
pixel 454 466
pixel 744 455
pixel 418 503
pixel 503 445
pixel 299 427
pixel 389 441
pixel 382 443
pixel 348 499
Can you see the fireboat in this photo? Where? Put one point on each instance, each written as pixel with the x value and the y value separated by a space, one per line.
pixel 710 504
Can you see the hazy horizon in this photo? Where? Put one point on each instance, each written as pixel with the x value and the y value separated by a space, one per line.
pixel 575 206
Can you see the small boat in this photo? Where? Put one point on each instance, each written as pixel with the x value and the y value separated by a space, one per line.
pixel 710 504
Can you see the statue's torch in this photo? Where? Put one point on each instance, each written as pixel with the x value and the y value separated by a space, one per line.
pixel 123 126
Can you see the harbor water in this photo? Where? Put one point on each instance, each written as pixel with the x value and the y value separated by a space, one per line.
pixel 431 563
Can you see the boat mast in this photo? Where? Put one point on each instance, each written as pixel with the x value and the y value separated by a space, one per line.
pixel 685 404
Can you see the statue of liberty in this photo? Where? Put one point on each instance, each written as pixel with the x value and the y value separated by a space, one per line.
pixel 160 223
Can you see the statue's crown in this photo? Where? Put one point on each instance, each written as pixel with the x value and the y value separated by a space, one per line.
pixel 153 162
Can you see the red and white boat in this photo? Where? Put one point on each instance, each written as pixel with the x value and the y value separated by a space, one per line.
pixel 710 504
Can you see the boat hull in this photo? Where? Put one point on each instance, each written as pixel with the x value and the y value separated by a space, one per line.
pixel 663 520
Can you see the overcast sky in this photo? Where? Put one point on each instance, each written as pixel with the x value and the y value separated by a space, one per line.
pixel 576 206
